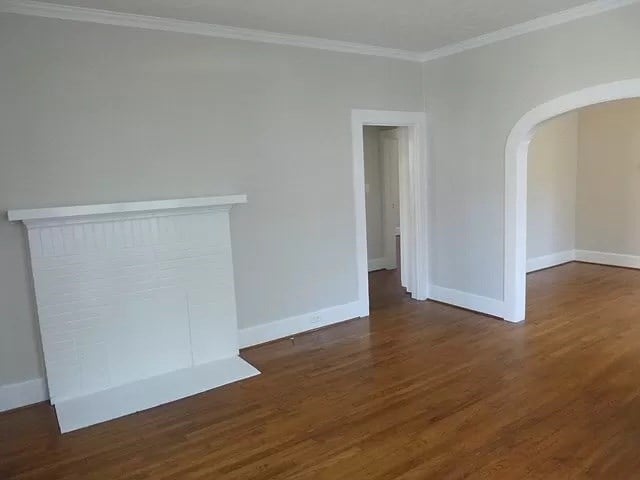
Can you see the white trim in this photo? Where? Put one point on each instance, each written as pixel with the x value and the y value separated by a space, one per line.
pixel 80 412
pixel 375 264
pixel 612 259
pixel 106 17
pixel 541 23
pixel 516 151
pixel 16 395
pixel 469 301
pixel 123 207
pixel 417 167
pixel 267 332
pixel 34 391
pixel 548 261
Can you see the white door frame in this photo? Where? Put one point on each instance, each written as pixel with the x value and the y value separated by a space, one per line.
pixel 517 149
pixel 417 178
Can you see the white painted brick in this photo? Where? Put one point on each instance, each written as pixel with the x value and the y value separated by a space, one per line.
pixel 122 300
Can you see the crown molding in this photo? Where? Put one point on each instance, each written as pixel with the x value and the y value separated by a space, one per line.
pixel 106 17
pixel 82 14
pixel 541 23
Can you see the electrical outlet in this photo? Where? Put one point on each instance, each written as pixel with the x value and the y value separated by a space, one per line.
pixel 315 319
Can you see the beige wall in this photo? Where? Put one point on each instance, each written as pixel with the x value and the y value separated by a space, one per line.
pixel 584 182
pixel 608 205
pixel 95 113
pixel 374 189
pixel 552 172
pixel 473 100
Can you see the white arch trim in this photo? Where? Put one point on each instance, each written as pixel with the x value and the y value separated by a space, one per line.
pixel 515 240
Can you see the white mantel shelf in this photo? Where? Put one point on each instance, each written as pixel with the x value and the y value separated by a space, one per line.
pixel 123 207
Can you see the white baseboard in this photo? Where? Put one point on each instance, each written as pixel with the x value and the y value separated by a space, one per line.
pixel 548 261
pixel 377 264
pixel 300 323
pixel 588 256
pixel 603 258
pixel 34 391
pixel 21 394
pixel 116 402
pixel 469 301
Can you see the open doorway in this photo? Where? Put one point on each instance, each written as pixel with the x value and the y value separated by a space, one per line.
pixel 385 151
pixel 516 180
pixel 582 188
pixel 390 201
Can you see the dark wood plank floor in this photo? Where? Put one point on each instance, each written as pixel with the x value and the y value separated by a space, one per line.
pixel 416 391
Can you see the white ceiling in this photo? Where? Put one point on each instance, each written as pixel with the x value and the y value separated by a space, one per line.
pixel 415 25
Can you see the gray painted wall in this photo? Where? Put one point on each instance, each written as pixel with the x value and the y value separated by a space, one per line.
pixel 377 199
pixel 94 113
pixel 373 181
pixel 473 100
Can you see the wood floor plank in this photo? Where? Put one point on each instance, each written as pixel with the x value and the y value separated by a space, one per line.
pixel 415 391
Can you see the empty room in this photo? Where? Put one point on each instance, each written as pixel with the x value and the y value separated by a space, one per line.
pixel 294 239
pixel 583 207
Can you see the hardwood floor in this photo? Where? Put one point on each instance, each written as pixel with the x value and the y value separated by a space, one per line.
pixel 416 391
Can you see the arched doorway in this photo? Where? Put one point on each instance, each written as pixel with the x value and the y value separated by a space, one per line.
pixel 517 149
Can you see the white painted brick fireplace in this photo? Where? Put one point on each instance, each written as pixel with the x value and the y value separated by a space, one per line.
pixel 136 303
